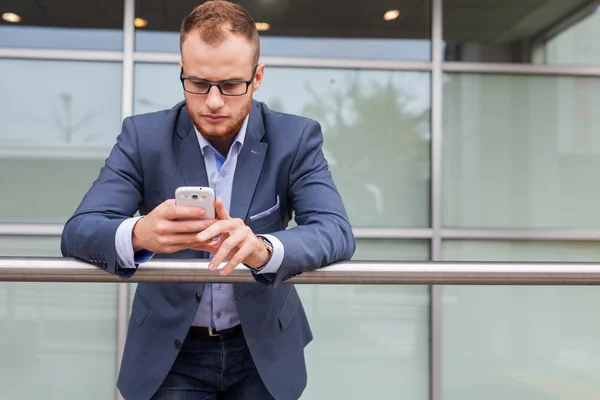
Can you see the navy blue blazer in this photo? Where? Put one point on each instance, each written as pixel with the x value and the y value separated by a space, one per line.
pixel 281 156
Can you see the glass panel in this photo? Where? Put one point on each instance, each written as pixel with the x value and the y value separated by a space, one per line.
pixel 374 334
pixel 525 251
pixel 375 124
pixel 378 334
pixel 62 136
pixel 514 31
pixel 62 24
pixel 298 29
pixel 578 44
pixel 156 87
pixel 376 136
pixel 515 342
pixel 520 152
pixel 391 249
pixel 50 327
pixel 30 246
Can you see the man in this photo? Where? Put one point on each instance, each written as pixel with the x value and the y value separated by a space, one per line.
pixel 215 341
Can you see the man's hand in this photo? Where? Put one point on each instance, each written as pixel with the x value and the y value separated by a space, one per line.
pixel 237 243
pixel 161 232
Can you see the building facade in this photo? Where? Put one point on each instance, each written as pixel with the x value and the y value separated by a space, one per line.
pixel 456 130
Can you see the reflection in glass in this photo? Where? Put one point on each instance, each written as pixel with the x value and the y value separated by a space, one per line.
pixel 156 87
pixel 80 25
pixel 26 246
pixel 40 189
pixel 391 250
pixel 367 334
pixel 72 107
pixel 521 32
pixel 297 29
pixel 363 48
pixel 511 342
pixel 578 44
pixel 375 124
pixel 376 136
pixel 520 152
pixel 54 146
pixel 50 327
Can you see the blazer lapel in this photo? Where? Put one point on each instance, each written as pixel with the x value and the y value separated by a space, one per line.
pixel 249 165
pixel 189 155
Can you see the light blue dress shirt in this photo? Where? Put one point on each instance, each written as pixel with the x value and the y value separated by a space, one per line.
pixel 217 306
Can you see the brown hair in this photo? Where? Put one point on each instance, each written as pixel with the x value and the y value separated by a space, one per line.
pixel 214 19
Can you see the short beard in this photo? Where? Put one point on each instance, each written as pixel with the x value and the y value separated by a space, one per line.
pixel 231 130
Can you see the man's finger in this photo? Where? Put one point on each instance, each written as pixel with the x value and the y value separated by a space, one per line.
pixel 220 210
pixel 227 247
pixel 237 258
pixel 216 229
pixel 192 226
pixel 183 212
pixel 211 247
pixel 168 203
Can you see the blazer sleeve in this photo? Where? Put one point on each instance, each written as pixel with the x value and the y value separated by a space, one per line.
pixel 114 197
pixel 324 234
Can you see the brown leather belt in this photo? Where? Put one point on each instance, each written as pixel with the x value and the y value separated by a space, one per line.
pixel 203 333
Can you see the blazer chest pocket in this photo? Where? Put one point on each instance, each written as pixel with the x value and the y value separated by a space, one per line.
pixel 265 218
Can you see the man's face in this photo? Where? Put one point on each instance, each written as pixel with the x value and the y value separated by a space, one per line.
pixel 217 116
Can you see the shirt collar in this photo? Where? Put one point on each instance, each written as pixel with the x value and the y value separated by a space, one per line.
pixel 239 138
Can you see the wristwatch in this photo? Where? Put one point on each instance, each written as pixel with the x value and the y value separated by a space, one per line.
pixel 269 247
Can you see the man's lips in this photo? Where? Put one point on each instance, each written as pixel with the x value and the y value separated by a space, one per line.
pixel 214 118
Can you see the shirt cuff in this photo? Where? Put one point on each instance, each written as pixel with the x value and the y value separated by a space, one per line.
pixel 126 258
pixel 276 258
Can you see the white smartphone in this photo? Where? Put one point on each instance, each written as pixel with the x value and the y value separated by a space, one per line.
pixel 197 196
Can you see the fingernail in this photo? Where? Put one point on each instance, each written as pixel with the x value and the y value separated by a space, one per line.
pixel 222 273
pixel 201 238
pixel 211 267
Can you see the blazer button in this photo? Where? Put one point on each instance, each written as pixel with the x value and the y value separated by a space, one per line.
pixel 177 344
pixel 198 297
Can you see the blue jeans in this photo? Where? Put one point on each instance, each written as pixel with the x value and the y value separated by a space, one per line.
pixel 213 370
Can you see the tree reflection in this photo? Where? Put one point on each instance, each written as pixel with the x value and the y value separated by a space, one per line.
pixel 62 117
pixel 377 146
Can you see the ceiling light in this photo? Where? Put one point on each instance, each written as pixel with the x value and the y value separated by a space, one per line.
pixel 262 26
pixel 140 22
pixel 11 17
pixel 391 15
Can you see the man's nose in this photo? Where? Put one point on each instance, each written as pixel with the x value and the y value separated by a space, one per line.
pixel 214 99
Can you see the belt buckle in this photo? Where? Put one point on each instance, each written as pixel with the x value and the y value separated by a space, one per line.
pixel 213 332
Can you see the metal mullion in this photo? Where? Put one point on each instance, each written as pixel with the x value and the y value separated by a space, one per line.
pixel 126 111
pixel 304 62
pixel 435 302
pixel 60 54
pixel 521 69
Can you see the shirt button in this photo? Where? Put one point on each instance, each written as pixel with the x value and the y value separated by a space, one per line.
pixel 219 287
pixel 218 315
pixel 224 174
pixel 177 344
pixel 198 297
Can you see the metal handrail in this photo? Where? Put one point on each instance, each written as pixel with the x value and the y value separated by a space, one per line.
pixel 35 269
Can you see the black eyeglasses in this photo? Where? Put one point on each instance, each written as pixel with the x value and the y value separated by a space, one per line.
pixel 231 87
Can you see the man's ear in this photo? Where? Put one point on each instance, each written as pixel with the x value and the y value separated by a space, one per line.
pixel 258 77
